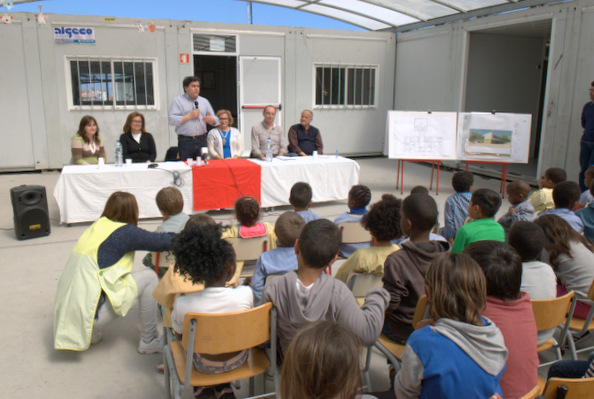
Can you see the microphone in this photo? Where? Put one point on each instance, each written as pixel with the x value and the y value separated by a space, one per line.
pixel 195 104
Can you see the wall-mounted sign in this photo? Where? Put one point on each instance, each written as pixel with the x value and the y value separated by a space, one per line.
pixel 184 58
pixel 70 34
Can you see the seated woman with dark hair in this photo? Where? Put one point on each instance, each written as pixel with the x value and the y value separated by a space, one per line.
pixel 98 284
pixel 86 145
pixel 137 144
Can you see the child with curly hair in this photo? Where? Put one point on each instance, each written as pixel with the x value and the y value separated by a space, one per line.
pixel 203 256
pixel 383 222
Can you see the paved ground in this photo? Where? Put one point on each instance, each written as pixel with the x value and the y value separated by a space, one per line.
pixel 30 366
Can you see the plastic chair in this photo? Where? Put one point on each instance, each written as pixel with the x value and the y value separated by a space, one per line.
pixel 353 233
pixel 550 313
pixel 578 388
pixel 578 327
pixel 392 350
pixel 222 333
pixel 361 283
pixel 533 393
pixel 162 259
pixel 247 252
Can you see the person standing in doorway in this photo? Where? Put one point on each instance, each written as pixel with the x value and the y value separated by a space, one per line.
pixel 190 113
pixel 304 138
pixel 587 143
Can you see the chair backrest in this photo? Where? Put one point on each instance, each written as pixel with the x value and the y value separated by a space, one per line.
pixel 578 388
pixel 549 313
pixel 162 259
pixel 353 232
pixel 360 283
pixel 227 332
pixel 249 248
pixel 420 310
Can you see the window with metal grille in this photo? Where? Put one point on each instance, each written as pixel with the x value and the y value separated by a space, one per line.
pixel 345 86
pixel 112 82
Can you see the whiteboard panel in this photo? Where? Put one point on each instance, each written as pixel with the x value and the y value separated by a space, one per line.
pixel 499 137
pixel 422 135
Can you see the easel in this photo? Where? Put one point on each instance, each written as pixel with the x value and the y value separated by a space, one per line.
pixel 503 173
pixel 400 173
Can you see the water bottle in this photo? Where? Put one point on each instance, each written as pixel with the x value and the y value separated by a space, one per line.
pixel 268 150
pixel 118 154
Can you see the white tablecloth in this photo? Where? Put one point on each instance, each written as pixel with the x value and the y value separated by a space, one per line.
pixel 82 190
pixel 330 178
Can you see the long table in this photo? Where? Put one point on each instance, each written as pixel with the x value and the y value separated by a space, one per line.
pixel 82 190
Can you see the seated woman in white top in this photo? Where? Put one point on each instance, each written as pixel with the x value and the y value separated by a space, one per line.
pixel 224 141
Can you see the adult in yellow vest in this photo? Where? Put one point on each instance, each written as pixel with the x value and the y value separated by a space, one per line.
pixel 98 284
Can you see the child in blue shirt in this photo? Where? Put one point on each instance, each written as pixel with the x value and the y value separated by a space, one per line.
pixel 282 259
pixel 566 196
pixel 459 345
pixel 359 198
pixel 300 198
pixel 456 206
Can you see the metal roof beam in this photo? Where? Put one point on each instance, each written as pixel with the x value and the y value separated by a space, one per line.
pixel 478 13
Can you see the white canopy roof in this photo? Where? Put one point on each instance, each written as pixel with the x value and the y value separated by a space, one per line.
pixel 390 14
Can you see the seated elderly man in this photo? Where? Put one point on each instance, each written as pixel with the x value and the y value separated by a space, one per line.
pixel 304 138
pixel 268 130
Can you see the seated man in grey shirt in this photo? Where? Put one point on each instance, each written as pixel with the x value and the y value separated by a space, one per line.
pixel 265 129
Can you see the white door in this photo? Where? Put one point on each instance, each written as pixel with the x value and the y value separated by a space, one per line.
pixel 259 86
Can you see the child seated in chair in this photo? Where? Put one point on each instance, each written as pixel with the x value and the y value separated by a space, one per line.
pixel 404 270
pixel 586 214
pixel 322 362
pixel 566 196
pixel 511 311
pixel 172 284
pixel 203 256
pixel 282 259
pixel 300 198
pixel 538 278
pixel 587 196
pixel 171 204
pixel 461 354
pixel 456 206
pixel 247 213
pixel 383 222
pixel 308 294
pixel 542 199
pixel 521 209
pixel 359 198
pixel 484 204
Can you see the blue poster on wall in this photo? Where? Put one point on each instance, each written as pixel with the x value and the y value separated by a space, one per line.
pixel 80 35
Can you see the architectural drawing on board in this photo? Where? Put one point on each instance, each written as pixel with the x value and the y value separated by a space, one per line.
pixel 422 135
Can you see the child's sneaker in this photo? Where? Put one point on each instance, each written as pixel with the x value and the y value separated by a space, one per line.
pixel 155 346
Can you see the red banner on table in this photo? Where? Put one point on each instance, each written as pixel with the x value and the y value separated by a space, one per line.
pixel 221 182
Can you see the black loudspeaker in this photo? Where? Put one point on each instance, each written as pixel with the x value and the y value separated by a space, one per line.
pixel 31 217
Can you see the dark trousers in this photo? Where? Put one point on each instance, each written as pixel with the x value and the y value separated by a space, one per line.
pixel 570 368
pixel 190 147
pixel 586 160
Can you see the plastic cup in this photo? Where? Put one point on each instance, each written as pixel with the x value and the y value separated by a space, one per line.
pixel 128 161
